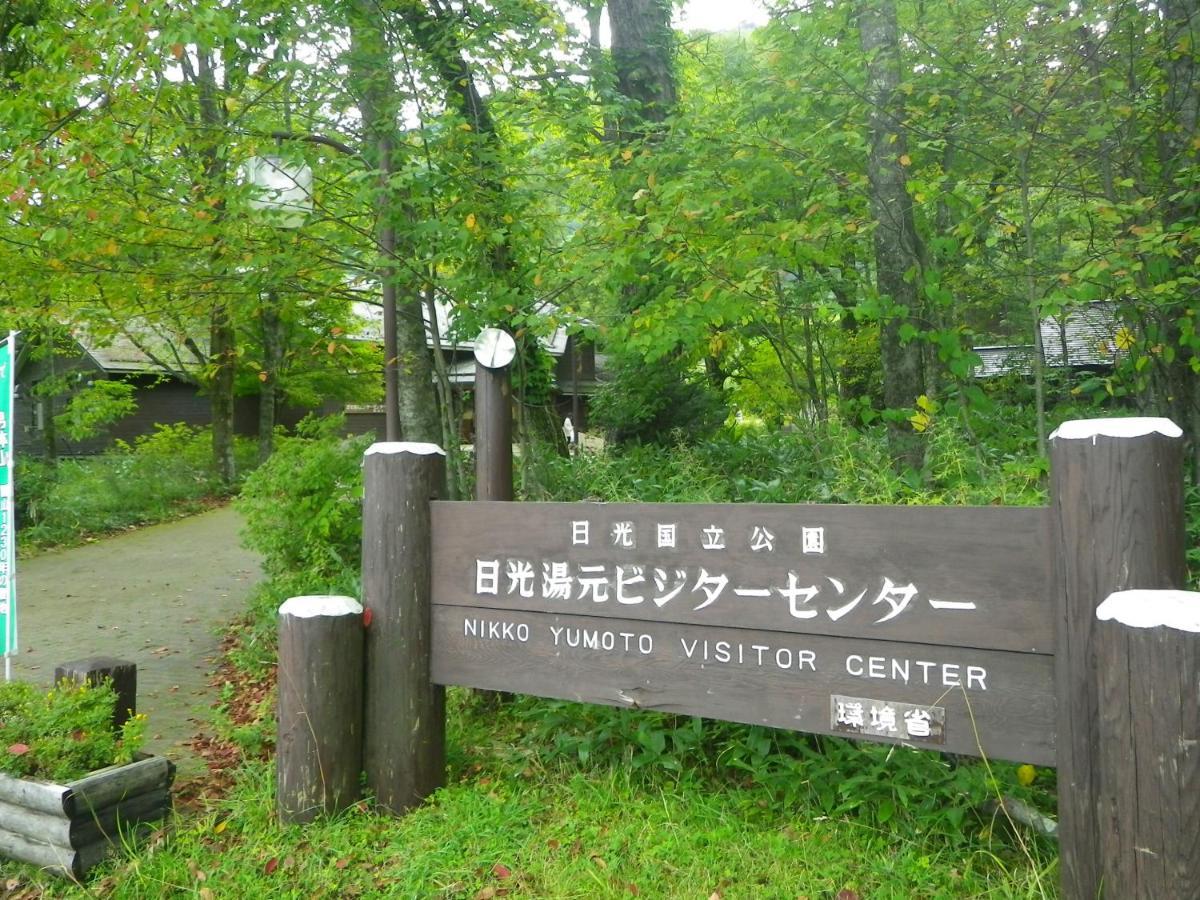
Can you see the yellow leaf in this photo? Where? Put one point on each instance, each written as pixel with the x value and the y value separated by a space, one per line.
pixel 110 249
pixel 924 403
pixel 1125 338
pixel 331 348
pixel 651 180
pixel 231 104
pixel 627 155
pixel 1026 774
pixel 905 160
pixel 220 826
pixel 920 421
pixel 537 280
pixel 465 126
pixel 470 222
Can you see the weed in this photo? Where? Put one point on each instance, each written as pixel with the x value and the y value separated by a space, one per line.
pixel 63 733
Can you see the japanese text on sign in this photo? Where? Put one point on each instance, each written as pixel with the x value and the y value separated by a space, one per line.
pixel 878 600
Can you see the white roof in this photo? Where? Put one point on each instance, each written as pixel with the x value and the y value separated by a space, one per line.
pixel 1088 334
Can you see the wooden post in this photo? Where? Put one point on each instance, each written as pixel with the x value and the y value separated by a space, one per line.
pixel 98 669
pixel 1148 655
pixel 493 433
pixel 318 759
pixel 1117 506
pixel 405 715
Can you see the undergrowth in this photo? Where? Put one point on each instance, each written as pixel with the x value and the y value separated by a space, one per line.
pixel 522 816
pixel 157 477
pixel 63 733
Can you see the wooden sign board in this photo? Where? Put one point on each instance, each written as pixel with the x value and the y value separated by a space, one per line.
pixel 927 626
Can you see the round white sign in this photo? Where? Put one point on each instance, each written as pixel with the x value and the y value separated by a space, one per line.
pixel 495 348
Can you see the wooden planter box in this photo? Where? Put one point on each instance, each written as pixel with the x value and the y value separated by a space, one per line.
pixel 69 828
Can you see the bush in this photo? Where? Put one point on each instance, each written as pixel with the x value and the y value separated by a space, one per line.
pixel 303 507
pixel 64 733
pixel 659 402
pixel 833 464
pixel 158 476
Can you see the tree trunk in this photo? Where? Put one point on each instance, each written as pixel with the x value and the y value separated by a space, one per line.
pixel 643 50
pixel 1181 204
pixel 223 353
pixel 408 368
pixel 222 337
pixel 268 391
pixel 897 246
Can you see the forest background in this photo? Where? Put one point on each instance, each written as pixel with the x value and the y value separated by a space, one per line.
pixel 818 219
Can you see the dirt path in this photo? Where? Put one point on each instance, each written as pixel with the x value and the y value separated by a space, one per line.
pixel 156 596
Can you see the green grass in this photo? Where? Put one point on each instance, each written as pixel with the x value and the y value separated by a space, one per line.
pixel 161 476
pixel 509 824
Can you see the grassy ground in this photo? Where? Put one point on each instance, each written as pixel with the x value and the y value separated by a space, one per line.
pixel 506 825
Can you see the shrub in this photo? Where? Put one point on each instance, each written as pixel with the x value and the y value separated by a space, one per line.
pixel 154 478
pixel 303 507
pixel 64 733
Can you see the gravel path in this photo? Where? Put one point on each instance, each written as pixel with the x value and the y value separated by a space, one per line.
pixel 158 597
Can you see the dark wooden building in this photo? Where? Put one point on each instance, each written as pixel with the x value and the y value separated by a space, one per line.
pixel 162 397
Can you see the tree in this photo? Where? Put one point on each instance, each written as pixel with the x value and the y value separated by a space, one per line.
pixel 898 248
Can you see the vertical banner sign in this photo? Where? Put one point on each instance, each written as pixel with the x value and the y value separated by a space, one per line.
pixel 8 530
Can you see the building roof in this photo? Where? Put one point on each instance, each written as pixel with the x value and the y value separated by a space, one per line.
pixel 1082 336
pixel 135 349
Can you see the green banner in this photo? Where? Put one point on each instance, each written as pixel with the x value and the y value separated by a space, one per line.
pixel 8 528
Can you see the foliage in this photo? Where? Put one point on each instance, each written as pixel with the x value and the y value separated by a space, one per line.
pixel 64 733
pixel 904 789
pixel 303 507
pixel 832 465
pixel 656 401
pixel 158 476
pixel 93 407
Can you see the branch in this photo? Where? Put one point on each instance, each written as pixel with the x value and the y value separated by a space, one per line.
pixel 311 139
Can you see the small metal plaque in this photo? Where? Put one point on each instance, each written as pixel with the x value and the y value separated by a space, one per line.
pixel 858 716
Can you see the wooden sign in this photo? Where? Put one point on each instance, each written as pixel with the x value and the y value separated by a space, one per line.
pixel 759 613
pixel 974 631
